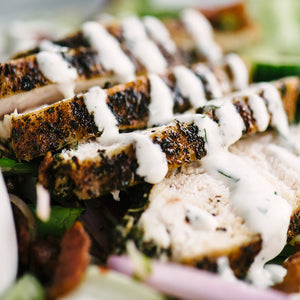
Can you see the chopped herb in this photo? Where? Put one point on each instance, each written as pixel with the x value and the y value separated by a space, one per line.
pixel 262 210
pixel 214 106
pixel 275 193
pixel 228 176
pixel 205 135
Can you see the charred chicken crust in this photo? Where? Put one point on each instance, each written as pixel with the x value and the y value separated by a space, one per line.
pixel 24 87
pixel 22 74
pixel 112 170
pixel 116 169
pixel 240 257
pixel 67 122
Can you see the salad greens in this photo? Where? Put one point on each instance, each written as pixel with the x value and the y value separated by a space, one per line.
pixel 11 166
pixel 26 288
pixel 61 219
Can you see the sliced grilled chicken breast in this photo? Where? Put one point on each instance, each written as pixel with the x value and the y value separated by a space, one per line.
pixel 190 217
pixel 135 105
pixel 93 169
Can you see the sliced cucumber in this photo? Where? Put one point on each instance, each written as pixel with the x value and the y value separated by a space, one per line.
pixel 270 65
pixel 265 71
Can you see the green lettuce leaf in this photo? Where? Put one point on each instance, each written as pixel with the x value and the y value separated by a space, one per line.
pixel 61 219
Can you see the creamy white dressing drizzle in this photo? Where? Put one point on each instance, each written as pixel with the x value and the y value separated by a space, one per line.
pixel 255 200
pixel 231 123
pixel 87 150
pixel 239 71
pixel 259 111
pixel 199 218
pixel 5 127
pixel 224 270
pixel 141 46
pixel 154 228
pixel 56 68
pixel 109 51
pixel 47 45
pixel 159 33
pixel 175 212
pixel 161 103
pixel 211 82
pixel 152 161
pixel 190 86
pixel 266 276
pixel 205 124
pixel 274 103
pixel 278 116
pixel 252 196
pixel 202 33
pixel 43 207
pixel 95 101
pixel 276 272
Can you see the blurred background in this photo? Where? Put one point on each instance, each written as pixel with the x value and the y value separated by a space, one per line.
pixel 23 23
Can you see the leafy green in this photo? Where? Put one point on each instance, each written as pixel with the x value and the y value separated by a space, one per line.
pixel 61 219
pixel 205 135
pixel 228 176
pixel 8 165
pixel 271 65
pixel 26 288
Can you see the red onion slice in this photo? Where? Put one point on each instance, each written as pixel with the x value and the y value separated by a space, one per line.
pixel 190 283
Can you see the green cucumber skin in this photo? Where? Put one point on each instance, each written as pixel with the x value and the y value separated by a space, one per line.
pixel 267 72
